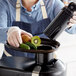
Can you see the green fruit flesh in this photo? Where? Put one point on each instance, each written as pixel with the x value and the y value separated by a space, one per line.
pixel 24 46
pixel 32 46
pixel 36 40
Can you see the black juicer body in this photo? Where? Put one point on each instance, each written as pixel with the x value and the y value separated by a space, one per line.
pixel 44 63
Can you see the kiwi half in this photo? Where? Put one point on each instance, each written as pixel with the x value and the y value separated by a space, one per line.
pixel 36 40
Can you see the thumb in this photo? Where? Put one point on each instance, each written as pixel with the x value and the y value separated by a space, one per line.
pixel 26 33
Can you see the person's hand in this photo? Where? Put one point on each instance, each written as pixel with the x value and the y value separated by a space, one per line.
pixel 14 36
pixel 72 21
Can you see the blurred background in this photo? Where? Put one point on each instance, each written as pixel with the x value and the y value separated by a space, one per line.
pixel 67 49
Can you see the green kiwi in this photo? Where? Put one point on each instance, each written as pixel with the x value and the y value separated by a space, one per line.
pixel 32 46
pixel 36 40
pixel 24 46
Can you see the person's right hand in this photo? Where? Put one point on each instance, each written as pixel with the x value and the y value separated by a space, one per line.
pixel 14 36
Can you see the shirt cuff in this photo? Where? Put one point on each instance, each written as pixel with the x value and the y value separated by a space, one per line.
pixel 71 30
pixel 3 34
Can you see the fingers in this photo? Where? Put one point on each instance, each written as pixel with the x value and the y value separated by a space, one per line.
pixel 14 40
pixel 74 18
pixel 74 13
pixel 73 21
pixel 10 41
pixel 26 33
pixel 18 37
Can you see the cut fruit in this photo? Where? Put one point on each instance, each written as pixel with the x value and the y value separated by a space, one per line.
pixel 24 46
pixel 26 38
pixel 32 46
pixel 36 40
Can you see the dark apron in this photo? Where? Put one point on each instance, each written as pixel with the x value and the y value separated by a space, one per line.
pixel 36 28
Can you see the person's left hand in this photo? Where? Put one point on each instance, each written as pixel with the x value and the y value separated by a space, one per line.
pixel 72 20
